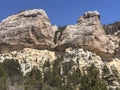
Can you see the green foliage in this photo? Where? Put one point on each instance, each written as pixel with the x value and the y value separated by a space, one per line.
pixel 3 78
pixel 72 78
pixel 47 76
pixel 47 64
pixel 105 70
pixel 12 67
pixel 33 80
pixel 91 80
pixel 10 73
pixel 52 76
pixel 56 77
pixel 59 32
pixel 35 74
pixel 47 87
pixel 67 67
pixel 2 71
pixel 76 77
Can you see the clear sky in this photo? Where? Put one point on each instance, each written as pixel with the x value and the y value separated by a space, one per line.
pixel 63 12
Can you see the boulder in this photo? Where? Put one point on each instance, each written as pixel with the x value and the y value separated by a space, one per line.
pixel 27 29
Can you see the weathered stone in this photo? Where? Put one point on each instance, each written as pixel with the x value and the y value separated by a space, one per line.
pixel 29 58
pixel 83 58
pixel 88 43
pixel 27 29
pixel 88 33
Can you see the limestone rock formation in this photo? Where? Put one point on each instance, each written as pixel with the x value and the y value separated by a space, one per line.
pixel 32 29
pixel 83 58
pixel 112 45
pixel 30 38
pixel 113 34
pixel 27 29
pixel 29 58
pixel 88 33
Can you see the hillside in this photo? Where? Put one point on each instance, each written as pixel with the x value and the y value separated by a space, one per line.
pixel 36 55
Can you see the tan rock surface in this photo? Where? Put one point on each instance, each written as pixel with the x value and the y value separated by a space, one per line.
pixel 88 33
pixel 83 58
pixel 27 29
pixel 32 29
pixel 30 38
pixel 28 58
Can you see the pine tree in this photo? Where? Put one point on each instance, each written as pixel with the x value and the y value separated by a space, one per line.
pixel 3 78
pixel 56 76
pixel 91 80
pixel 33 80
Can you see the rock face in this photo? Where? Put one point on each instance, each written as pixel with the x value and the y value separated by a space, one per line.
pixel 113 33
pixel 30 38
pixel 29 58
pixel 27 29
pixel 112 45
pixel 88 33
pixel 83 58
pixel 32 29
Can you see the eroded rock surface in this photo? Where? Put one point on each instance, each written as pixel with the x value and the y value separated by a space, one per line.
pixel 87 33
pixel 29 58
pixel 32 29
pixel 27 29
pixel 30 38
pixel 83 58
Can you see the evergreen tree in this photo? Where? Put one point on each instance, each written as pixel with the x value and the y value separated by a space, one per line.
pixel 91 80
pixel 47 72
pixel 56 74
pixel 76 77
pixel 3 78
pixel 33 80
pixel 12 67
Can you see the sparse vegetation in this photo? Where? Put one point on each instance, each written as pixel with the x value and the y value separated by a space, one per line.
pixel 55 79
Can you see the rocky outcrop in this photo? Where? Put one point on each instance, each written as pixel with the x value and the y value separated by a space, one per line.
pixel 30 38
pixel 83 58
pixel 27 29
pixel 29 58
pixel 112 45
pixel 88 33
pixel 32 29
pixel 113 34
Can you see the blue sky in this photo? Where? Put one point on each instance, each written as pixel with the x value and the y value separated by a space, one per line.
pixel 64 12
